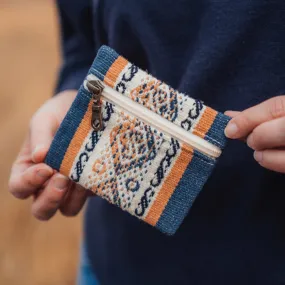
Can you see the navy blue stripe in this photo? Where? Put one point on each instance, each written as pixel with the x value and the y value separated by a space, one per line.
pixel 67 129
pixel 190 185
pixel 216 135
pixel 103 61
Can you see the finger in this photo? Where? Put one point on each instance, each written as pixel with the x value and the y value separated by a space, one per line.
pixel 23 184
pixel 232 114
pixel 23 160
pixel 41 189
pixel 48 202
pixel 271 159
pixel 268 135
pixel 246 121
pixel 42 129
pixel 74 200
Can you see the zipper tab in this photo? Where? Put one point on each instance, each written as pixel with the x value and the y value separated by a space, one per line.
pixel 96 88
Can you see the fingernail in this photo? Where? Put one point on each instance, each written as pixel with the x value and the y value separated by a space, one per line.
pixel 231 130
pixel 61 182
pixel 250 141
pixel 44 173
pixel 36 150
pixel 258 156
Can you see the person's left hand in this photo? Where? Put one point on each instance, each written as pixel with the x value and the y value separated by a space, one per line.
pixel 263 127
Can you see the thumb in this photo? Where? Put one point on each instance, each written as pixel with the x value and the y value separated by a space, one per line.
pixel 42 130
pixel 245 122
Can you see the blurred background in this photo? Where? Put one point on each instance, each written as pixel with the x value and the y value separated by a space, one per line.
pixel 31 252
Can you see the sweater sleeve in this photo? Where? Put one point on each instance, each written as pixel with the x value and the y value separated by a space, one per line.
pixel 77 45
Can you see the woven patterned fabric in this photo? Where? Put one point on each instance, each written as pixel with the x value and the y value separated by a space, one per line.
pixel 129 163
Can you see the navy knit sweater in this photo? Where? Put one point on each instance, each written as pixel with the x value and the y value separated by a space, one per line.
pixel 230 54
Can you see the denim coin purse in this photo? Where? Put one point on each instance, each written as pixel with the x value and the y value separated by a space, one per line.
pixel 138 143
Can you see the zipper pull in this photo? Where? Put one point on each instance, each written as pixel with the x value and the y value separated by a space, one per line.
pixel 96 88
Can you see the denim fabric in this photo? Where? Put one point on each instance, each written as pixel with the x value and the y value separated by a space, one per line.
pixel 85 274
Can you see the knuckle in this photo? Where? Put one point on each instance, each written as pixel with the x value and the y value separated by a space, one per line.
pixel 28 181
pixel 277 107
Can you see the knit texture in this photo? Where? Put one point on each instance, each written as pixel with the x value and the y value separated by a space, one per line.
pixel 129 163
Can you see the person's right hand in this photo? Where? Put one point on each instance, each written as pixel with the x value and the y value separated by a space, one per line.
pixel 31 177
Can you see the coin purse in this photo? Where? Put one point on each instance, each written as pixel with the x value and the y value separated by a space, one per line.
pixel 138 143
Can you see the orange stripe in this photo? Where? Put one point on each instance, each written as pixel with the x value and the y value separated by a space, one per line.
pixel 205 122
pixel 76 142
pixel 169 185
pixel 115 70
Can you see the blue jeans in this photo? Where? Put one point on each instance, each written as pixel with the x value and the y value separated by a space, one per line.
pixel 85 275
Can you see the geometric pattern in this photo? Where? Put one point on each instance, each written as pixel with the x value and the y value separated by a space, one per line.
pixel 129 163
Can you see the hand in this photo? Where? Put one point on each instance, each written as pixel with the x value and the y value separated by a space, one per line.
pixel 31 177
pixel 263 127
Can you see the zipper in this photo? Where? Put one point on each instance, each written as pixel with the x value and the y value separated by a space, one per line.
pixel 96 88
pixel 101 91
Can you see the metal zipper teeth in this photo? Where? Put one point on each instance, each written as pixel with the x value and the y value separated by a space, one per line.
pixel 149 117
